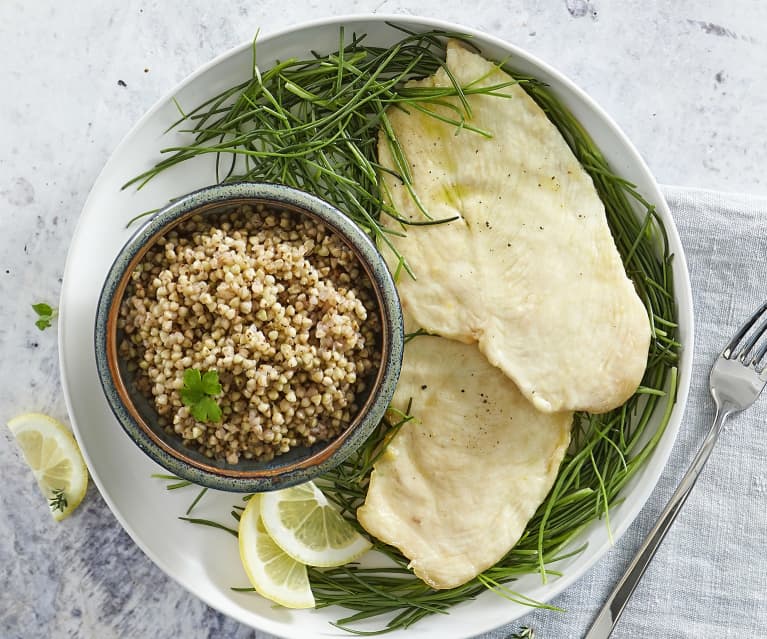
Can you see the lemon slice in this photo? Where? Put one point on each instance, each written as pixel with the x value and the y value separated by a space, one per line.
pixel 273 573
pixel 54 457
pixel 308 528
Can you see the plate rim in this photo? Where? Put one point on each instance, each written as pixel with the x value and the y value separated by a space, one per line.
pixel 683 294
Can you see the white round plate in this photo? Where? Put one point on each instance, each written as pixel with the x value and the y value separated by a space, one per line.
pixel 206 561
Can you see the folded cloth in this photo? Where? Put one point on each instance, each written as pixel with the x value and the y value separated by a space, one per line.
pixel 709 578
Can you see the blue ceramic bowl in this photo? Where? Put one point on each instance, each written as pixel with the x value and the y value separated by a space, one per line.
pixel 136 413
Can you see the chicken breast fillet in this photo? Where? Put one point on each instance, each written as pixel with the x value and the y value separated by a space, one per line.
pixel 456 487
pixel 529 270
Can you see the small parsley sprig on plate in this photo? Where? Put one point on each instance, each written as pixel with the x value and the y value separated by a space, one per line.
pixel 198 393
pixel 45 313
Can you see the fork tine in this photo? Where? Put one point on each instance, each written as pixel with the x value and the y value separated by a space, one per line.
pixel 759 354
pixel 745 351
pixel 727 352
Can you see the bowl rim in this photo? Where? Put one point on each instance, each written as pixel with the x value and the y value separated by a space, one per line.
pixel 322 456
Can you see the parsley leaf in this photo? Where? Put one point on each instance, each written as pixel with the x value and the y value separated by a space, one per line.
pixel 206 410
pixel 210 383
pixel 45 313
pixel 198 392
pixel 192 379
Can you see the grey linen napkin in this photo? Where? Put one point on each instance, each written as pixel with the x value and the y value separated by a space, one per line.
pixel 709 578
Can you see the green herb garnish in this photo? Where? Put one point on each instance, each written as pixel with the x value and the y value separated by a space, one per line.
pixel 58 501
pixel 314 124
pixel 176 482
pixel 198 393
pixel 45 313
pixel 524 632
pixel 211 524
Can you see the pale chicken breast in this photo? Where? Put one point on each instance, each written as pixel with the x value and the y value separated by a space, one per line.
pixel 456 487
pixel 530 270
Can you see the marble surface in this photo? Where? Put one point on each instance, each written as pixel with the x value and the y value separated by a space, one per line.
pixel 686 81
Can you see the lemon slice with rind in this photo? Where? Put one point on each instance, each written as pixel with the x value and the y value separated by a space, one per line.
pixel 307 527
pixel 273 573
pixel 54 457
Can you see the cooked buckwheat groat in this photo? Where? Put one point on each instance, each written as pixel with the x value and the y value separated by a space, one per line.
pixel 275 303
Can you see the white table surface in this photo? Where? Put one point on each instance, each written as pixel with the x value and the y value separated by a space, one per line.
pixel 686 80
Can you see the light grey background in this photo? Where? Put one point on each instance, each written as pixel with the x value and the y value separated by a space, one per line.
pixel 687 82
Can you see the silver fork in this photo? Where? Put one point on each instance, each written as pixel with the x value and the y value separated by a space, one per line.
pixel 737 378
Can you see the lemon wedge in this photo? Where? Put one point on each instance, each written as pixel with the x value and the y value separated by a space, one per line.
pixel 273 573
pixel 307 527
pixel 54 457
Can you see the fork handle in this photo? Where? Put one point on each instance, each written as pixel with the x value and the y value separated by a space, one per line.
pixel 611 610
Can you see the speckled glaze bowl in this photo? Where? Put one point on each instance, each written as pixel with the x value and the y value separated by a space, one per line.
pixel 136 413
